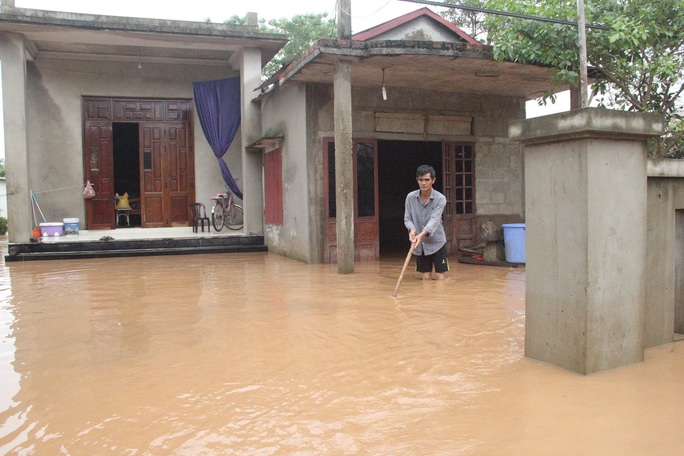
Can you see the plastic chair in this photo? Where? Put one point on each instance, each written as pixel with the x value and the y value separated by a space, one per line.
pixel 198 215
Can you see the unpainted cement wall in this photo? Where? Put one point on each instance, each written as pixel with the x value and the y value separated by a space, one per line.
pixel 284 114
pixel 55 123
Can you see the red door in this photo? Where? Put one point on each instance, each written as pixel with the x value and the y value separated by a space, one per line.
pixel 366 218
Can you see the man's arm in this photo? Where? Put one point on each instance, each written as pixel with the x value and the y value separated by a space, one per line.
pixel 436 215
pixel 408 219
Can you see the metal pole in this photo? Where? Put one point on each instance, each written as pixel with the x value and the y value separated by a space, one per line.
pixel 581 24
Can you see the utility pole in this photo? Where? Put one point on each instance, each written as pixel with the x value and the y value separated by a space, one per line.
pixel 344 165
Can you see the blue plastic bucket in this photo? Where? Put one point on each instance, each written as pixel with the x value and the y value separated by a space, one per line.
pixel 514 242
pixel 71 226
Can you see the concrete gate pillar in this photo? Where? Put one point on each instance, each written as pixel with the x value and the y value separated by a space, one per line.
pixel 585 206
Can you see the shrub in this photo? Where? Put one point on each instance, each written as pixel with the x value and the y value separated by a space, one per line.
pixel 3 226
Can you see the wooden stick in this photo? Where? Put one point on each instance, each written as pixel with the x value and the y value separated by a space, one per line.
pixel 401 276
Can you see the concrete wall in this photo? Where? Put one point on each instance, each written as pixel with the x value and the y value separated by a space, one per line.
pixel 665 255
pixel 55 121
pixel 419 29
pixel 284 114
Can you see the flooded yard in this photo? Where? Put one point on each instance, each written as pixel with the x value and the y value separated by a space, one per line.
pixel 256 354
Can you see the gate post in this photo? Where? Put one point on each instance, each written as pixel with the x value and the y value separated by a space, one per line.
pixel 585 206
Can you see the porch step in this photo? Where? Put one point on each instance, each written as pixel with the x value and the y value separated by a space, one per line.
pixel 129 248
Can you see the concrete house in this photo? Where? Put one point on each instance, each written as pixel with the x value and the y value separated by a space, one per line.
pixel 110 100
pixel 422 92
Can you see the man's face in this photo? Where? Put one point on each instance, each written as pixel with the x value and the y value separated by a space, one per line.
pixel 425 182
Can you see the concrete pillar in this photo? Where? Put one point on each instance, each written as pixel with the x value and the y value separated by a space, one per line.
pixel 253 19
pixel 344 26
pixel 250 128
pixel 344 168
pixel 585 205
pixel 12 56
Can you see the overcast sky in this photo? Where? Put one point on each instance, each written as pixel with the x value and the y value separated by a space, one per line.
pixel 365 13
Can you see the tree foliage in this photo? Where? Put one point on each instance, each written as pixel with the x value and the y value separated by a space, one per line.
pixel 472 22
pixel 640 56
pixel 303 29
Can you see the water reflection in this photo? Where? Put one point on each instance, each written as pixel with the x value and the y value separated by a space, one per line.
pixel 256 354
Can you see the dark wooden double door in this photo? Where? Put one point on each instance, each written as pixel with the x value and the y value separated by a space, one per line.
pixel 165 159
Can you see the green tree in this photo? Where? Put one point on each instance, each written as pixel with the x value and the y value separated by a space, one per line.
pixel 304 30
pixel 640 57
pixel 472 22
pixel 235 20
pixel 2 167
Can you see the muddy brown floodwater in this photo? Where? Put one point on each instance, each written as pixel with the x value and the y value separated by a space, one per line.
pixel 256 354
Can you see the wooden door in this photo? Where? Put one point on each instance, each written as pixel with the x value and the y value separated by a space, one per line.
pixel 167 174
pixel 180 174
pixel 366 218
pixel 458 166
pixel 99 170
pixel 152 175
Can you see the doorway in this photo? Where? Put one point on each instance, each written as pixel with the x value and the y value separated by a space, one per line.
pixel 142 147
pixel 397 164
pixel 126 143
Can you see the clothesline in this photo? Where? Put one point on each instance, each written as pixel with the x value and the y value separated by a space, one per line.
pixel 44 191
pixel 58 189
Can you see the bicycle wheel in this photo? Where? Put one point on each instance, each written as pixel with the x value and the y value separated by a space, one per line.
pixel 234 219
pixel 217 218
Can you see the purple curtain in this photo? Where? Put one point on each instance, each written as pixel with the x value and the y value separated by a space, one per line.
pixel 218 109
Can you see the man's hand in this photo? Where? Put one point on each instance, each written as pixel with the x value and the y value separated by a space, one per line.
pixel 413 237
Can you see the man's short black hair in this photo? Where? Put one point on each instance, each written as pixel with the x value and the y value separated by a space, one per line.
pixel 425 169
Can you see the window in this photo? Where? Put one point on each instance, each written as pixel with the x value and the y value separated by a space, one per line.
pixel 364 157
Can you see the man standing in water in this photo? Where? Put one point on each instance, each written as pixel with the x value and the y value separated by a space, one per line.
pixel 423 219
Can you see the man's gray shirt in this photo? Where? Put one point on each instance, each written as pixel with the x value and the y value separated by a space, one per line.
pixel 427 217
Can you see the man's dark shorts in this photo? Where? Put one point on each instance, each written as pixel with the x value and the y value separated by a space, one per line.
pixel 439 259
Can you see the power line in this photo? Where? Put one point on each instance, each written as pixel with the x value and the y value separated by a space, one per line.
pixel 504 13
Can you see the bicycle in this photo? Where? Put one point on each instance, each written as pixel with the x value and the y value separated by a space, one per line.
pixel 225 212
